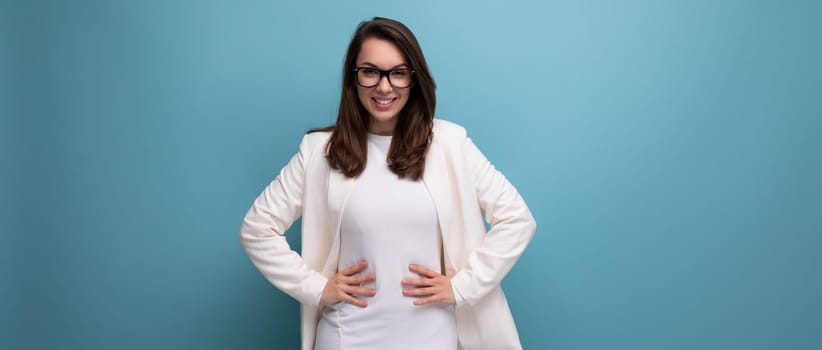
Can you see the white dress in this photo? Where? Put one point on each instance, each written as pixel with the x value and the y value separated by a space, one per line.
pixel 391 223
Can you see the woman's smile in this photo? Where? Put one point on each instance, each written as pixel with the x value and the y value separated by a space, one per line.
pixel 383 103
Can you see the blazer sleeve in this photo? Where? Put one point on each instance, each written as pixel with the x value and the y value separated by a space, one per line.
pixel 511 228
pixel 262 233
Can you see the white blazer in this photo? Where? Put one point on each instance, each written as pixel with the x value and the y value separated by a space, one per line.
pixel 464 187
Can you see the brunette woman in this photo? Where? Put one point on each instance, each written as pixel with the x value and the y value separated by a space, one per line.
pixel 395 252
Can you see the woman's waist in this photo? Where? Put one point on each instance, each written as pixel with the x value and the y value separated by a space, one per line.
pixel 387 308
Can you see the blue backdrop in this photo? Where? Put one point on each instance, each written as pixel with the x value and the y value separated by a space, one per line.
pixel 669 150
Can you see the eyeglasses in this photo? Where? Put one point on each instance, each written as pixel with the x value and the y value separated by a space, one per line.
pixel 369 77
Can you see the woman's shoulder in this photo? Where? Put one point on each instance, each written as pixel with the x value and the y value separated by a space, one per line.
pixel 318 134
pixel 314 140
pixel 445 130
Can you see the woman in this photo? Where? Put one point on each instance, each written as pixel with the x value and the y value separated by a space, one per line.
pixel 395 254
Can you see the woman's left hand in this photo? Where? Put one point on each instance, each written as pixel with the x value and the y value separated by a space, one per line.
pixel 434 287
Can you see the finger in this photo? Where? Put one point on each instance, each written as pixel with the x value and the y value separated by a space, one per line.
pixel 354 301
pixel 359 279
pixel 419 292
pixel 423 271
pixel 425 282
pixel 348 271
pixel 429 300
pixel 366 292
pixel 351 290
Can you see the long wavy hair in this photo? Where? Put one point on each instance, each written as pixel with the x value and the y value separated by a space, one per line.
pixel 346 149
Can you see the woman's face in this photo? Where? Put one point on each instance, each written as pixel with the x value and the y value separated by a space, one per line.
pixel 383 102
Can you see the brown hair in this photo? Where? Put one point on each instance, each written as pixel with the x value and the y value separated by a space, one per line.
pixel 346 148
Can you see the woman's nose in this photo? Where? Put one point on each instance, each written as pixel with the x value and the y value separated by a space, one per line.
pixel 384 85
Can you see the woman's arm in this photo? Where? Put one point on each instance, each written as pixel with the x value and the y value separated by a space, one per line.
pixel 263 229
pixel 512 227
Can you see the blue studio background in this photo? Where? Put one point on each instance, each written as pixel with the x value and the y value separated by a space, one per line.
pixel 669 150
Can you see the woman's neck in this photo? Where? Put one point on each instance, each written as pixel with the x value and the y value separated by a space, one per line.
pixel 382 128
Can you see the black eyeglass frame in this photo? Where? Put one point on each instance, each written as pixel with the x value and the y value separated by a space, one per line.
pixel 383 73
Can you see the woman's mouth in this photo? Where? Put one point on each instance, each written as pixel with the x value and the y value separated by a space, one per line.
pixel 383 103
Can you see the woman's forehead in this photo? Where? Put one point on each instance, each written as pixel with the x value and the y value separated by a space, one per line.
pixel 380 53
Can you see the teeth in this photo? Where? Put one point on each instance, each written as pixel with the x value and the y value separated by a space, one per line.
pixel 383 102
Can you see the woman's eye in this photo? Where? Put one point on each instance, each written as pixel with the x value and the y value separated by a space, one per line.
pixel 369 72
pixel 398 73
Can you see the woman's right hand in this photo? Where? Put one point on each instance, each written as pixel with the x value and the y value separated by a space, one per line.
pixel 345 286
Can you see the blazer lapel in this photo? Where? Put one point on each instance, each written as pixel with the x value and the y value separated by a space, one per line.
pixel 339 189
pixel 436 178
